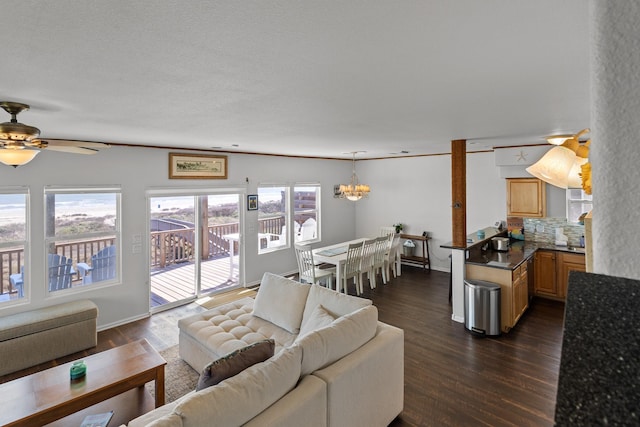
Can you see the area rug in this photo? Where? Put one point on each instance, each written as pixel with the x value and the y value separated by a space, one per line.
pixel 179 377
pixel 225 297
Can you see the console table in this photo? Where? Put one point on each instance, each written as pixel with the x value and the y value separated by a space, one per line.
pixel 419 261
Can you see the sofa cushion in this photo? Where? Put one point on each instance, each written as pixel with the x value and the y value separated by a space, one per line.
pixel 238 399
pixel 319 318
pixel 336 303
pixel 281 301
pixel 344 335
pixel 234 363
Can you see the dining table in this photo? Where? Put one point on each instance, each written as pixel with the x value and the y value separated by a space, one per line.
pixel 335 255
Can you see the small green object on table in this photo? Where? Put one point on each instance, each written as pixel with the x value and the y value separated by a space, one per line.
pixel 78 370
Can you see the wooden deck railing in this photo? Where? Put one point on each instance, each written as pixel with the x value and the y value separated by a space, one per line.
pixel 166 247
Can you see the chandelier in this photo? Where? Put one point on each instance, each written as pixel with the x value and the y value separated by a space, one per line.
pixel 354 190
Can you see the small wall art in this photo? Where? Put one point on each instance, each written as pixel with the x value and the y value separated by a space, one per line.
pixel 252 202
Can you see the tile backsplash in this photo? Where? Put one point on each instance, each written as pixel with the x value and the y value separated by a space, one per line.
pixel 544 230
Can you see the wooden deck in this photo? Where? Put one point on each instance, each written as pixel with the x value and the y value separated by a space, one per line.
pixel 176 282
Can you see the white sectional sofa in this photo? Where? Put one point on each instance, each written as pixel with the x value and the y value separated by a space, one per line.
pixel 335 364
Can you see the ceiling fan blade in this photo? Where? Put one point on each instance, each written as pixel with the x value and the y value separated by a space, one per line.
pixel 75 143
pixel 70 149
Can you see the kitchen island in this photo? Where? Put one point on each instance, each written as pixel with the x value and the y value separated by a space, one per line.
pixel 514 271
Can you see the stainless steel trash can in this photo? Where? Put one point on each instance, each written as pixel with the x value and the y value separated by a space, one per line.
pixel 482 307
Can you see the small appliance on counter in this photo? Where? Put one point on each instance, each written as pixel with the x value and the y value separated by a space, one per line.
pixel 561 238
pixel 500 244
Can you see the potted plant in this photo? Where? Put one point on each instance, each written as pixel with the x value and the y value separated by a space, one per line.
pixel 398 227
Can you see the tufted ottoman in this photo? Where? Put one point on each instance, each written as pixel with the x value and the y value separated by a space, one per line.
pixel 217 332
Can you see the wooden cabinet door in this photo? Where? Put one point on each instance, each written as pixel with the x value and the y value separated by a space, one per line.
pixel 524 295
pixel 567 263
pixel 520 296
pixel 526 197
pixel 545 283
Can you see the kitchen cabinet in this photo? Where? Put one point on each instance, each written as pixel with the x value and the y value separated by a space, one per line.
pixel 552 270
pixel 545 282
pixel 520 292
pixel 526 197
pixel 567 262
pixel 514 296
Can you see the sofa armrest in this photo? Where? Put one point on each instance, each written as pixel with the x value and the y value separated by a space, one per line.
pixel 366 387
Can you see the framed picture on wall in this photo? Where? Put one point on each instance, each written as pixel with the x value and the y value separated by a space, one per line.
pixel 197 166
pixel 252 202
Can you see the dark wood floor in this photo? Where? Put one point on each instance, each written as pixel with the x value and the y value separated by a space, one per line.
pixel 452 378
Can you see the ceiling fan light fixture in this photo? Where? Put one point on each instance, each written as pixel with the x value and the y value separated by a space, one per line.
pixel 15 155
pixel 10 131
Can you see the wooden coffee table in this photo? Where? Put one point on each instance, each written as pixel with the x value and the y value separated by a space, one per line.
pixel 49 395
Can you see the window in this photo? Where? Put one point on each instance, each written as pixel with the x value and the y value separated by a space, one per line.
pixel 578 202
pixel 14 243
pixel 82 237
pixel 306 212
pixel 273 211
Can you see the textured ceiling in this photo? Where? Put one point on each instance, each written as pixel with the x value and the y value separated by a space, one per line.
pixel 310 78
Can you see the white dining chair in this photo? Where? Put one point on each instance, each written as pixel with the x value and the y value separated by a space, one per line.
pixel 385 231
pixel 392 259
pixel 308 271
pixel 383 244
pixel 366 264
pixel 351 268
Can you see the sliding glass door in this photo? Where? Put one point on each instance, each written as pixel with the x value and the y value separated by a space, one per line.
pixel 194 245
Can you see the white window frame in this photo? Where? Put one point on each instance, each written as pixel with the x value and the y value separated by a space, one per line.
pixel 26 253
pixel 116 234
pixel 585 199
pixel 315 210
pixel 286 214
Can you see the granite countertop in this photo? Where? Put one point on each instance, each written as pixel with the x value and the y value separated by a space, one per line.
pixel 473 240
pixel 599 379
pixel 519 251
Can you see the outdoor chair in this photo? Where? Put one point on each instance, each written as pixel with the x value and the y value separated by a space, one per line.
pixel 308 230
pixel 280 240
pixel 103 266
pixel 17 282
pixel 60 272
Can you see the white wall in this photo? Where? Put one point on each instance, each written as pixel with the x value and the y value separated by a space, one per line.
pixel 140 169
pixel 416 191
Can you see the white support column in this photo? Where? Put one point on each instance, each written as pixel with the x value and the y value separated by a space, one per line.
pixel 458 257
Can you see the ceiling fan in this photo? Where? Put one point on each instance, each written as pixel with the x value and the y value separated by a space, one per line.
pixel 19 143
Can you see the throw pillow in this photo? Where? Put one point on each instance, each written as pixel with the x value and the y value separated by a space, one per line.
pixel 319 318
pixel 234 363
pixel 281 301
pixel 336 303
